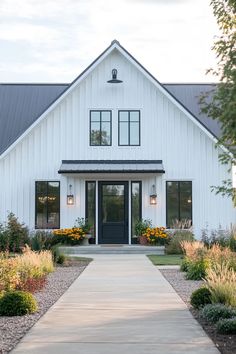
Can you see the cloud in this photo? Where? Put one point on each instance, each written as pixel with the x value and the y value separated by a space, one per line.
pixel 50 40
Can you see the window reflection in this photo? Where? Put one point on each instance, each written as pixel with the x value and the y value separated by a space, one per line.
pixel 113 203
pixel 47 206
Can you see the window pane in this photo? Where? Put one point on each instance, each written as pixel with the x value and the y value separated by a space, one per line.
pixel 106 116
pixel 172 203
pixel 95 134
pixel 123 116
pixel 100 128
pixel 134 116
pixel 53 205
pixel 95 116
pixel 135 204
pixel 105 134
pixel 134 133
pixel 41 205
pixel 47 205
pixel 186 201
pixel 123 133
pixel 91 205
pixel 113 203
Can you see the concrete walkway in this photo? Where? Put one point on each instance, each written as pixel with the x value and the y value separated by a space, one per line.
pixel 121 304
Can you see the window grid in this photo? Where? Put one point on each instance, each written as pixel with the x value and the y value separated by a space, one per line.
pixel 128 122
pixel 100 127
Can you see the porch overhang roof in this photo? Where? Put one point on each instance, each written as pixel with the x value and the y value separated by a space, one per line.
pixel 111 166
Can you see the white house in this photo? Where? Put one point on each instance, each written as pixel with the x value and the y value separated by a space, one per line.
pixel 114 146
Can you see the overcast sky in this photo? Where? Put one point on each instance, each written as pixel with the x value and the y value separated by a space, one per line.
pixel 54 40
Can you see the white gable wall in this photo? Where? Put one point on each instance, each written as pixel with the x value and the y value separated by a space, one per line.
pixel 167 134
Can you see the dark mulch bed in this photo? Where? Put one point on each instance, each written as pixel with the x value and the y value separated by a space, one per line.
pixel 225 343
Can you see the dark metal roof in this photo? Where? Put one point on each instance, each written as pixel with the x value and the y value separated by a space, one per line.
pixel 111 166
pixel 188 95
pixel 22 104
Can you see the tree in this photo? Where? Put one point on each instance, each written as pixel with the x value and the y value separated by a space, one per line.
pixel 220 104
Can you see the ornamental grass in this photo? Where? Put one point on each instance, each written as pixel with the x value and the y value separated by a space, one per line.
pixel 221 281
pixel 26 271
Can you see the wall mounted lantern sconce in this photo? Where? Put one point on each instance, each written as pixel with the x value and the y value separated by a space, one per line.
pixel 114 79
pixel 70 197
pixel 153 195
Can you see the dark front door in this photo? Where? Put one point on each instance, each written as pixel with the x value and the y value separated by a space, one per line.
pixel 113 212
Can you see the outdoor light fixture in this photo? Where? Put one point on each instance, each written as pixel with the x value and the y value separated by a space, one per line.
pixel 114 79
pixel 153 195
pixel 70 197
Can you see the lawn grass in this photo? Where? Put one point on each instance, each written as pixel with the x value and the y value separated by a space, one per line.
pixel 169 259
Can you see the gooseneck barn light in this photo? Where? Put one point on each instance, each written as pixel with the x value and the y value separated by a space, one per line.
pixel 114 79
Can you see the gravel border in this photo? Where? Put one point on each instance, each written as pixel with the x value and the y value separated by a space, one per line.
pixel 183 287
pixel 12 329
pixel 226 344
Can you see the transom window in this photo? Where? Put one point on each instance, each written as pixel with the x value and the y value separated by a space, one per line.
pixel 100 128
pixel 129 128
pixel 47 205
pixel 178 203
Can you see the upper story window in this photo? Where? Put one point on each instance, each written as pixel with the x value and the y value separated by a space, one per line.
pixel 129 128
pixel 100 128
pixel 178 203
pixel 47 205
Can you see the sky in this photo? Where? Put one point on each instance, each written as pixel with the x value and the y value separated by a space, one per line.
pixel 55 40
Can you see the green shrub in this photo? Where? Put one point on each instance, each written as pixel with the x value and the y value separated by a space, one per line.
pixel 17 303
pixel 4 240
pixel 56 252
pixel 226 326
pixel 175 239
pixel 42 240
pixel 17 234
pixel 200 297
pixel 224 238
pixel 61 259
pixel 197 270
pixel 214 312
pixel 184 265
pixel 141 226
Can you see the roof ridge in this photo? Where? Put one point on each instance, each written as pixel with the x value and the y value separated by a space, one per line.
pixel 33 83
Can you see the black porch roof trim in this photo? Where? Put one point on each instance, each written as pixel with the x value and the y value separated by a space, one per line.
pixel 111 166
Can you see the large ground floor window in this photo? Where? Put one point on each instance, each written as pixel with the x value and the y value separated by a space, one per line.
pixel 47 205
pixel 178 203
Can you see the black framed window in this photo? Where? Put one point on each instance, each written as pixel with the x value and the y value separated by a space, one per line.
pixel 136 204
pixel 47 205
pixel 129 128
pixel 90 205
pixel 100 128
pixel 178 202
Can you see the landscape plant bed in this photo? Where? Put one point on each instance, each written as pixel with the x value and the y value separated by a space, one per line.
pixel 225 343
pixel 12 329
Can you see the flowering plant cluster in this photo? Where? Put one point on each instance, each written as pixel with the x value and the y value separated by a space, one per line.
pixel 72 235
pixel 155 235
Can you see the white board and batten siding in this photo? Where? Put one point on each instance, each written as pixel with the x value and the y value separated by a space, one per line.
pixel 167 134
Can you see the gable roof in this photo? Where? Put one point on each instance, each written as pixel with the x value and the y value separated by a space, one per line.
pixel 21 105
